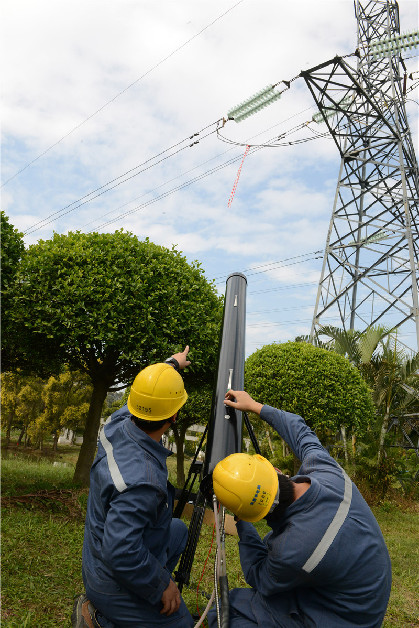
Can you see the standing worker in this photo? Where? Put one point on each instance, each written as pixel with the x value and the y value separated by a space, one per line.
pixel 325 563
pixel 131 542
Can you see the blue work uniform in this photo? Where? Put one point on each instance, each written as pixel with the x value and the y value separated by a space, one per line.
pixel 131 543
pixel 325 563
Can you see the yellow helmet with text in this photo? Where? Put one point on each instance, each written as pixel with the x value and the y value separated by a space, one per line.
pixel 157 393
pixel 246 485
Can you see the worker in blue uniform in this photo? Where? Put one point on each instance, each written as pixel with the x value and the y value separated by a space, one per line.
pixel 325 563
pixel 131 542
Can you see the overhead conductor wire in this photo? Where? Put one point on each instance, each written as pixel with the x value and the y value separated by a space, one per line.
pixel 123 178
pixel 123 91
pixel 49 218
pixel 227 163
pixel 252 149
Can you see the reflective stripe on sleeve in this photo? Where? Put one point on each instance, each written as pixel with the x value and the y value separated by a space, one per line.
pixel 116 476
pixel 333 529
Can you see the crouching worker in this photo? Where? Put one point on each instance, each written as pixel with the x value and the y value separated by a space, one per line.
pixel 131 543
pixel 325 563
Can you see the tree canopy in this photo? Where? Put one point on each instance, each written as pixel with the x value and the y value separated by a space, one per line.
pixel 111 304
pixel 12 248
pixel 386 367
pixel 319 385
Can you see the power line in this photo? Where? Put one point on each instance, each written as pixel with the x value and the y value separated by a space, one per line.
pixel 287 287
pixel 202 164
pixel 180 187
pixel 273 265
pixel 120 179
pixel 106 187
pixel 122 92
pixel 277 142
pixel 169 192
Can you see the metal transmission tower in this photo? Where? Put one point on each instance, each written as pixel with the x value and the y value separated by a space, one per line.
pixel 370 269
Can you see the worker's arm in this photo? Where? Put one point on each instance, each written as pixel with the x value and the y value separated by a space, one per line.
pixel 263 570
pixel 123 548
pixel 179 360
pixel 291 427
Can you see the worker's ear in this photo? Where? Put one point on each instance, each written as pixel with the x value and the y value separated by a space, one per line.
pixel 172 419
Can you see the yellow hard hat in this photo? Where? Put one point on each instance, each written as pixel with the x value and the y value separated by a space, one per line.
pixel 157 393
pixel 247 485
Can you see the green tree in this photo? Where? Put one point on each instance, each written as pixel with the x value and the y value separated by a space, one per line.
pixel 21 402
pixel 11 384
pixel 112 304
pixel 386 368
pixel 360 349
pixel 319 385
pixel 66 398
pixel 393 377
pixel 12 248
pixel 196 411
pixel 114 401
pixel 30 408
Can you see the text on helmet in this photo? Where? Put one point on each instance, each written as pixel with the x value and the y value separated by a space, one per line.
pixel 256 495
pixel 143 409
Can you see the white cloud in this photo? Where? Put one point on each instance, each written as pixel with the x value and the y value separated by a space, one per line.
pixel 67 60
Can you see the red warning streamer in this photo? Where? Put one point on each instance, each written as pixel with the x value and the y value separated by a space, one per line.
pixel 233 191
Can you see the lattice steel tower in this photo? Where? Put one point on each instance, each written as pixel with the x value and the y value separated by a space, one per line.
pixel 370 270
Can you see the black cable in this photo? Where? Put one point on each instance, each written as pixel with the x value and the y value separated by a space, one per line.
pixel 62 212
pixel 182 186
pixel 182 575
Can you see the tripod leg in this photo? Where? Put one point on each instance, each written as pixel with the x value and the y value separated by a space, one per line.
pixel 182 575
pixel 251 433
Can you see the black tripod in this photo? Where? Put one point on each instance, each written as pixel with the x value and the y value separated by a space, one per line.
pixel 200 500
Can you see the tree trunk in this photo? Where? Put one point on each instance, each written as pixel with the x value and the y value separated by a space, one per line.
pixel 88 448
pixel 8 430
pixel 345 443
pixel 270 442
pixel 354 450
pixel 55 441
pixel 383 431
pixel 21 435
pixel 354 445
pixel 179 435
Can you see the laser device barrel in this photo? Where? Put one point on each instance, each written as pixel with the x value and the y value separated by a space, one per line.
pixel 225 424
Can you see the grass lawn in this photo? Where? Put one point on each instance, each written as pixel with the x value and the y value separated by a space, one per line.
pixel 42 535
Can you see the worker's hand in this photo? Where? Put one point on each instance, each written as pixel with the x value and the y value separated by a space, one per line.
pixel 182 358
pixel 170 598
pixel 241 400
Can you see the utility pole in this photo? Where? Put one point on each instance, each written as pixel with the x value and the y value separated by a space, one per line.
pixel 370 271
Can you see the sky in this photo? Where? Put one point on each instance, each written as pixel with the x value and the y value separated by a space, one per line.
pixel 110 112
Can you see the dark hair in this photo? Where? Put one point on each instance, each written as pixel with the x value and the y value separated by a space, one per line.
pixel 286 497
pixel 149 426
